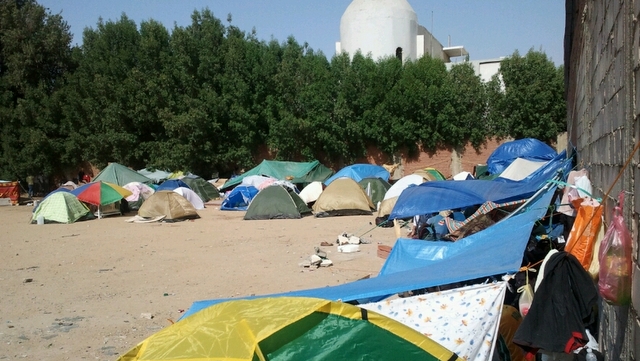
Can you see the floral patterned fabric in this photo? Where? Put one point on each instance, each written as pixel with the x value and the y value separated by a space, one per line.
pixel 464 320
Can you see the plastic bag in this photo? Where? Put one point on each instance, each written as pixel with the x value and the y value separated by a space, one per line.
pixel 585 231
pixel 526 296
pixel 614 281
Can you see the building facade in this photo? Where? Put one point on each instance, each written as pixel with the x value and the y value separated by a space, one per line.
pixel 386 28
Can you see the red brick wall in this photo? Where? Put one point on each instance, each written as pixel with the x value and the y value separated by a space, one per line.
pixel 440 160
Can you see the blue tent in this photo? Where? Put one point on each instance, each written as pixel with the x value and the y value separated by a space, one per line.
pixel 239 198
pixel 415 264
pixel 359 171
pixel 528 148
pixel 436 196
pixel 171 184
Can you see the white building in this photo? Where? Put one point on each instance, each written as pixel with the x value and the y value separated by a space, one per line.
pixel 383 28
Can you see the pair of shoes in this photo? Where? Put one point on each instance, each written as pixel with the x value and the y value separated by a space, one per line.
pixel 326 244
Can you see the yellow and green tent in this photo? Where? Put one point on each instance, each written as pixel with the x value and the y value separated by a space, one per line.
pixel 287 328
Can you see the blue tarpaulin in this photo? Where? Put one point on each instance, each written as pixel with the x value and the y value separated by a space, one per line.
pixel 357 172
pixel 417 264
pixel 436 196
pixel 239 198
pixel 527 148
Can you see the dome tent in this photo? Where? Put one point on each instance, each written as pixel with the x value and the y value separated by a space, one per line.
pixel 374 188
pixel 205 190
pixel 61 207
pixel 169 204
pixel 191 196
pixel 343 197
pixel 276 202
pixel 285 329
pixel 527 148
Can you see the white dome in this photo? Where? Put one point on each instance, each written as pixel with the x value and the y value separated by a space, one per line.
pixel 379 27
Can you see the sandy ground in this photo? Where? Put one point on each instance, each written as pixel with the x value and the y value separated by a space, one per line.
pixel 81 291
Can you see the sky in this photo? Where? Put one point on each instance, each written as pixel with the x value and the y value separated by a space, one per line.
pixel 488 29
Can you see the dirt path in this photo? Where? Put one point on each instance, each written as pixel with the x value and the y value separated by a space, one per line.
pixel 84 290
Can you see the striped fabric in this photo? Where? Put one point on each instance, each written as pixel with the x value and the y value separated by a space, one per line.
pixel 484 210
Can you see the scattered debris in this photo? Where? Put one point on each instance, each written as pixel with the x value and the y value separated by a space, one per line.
pixel 27 280
pixel 326 244
pixel 146 315
pixel 326 263
pixel 349 248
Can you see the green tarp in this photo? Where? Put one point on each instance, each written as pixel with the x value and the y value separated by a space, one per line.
pixel 118 174
pixel 294 172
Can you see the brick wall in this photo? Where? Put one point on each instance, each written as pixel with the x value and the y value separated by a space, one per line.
pixel 602 78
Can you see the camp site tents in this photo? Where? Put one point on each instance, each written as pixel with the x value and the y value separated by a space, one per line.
pixel 433 197
pixel 139 192
pixel 288 329
pixel 169 204
pixel 430 174
pixel 359 171
pixel 156 175
pixel 118 174
pixel 171 184
pixel 391 197
pixel 343 197
pixel 277 202
pixel 258 181
pixel 191 196
pixel 61 207
pixel 374 188
pixel 239 198
pixel 294 172
pixel 414 265
pixel 311 192
pixel 201 187
pixel 527 148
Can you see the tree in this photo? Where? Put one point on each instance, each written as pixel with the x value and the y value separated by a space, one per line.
pixel 465 111
pixel 527 98
pixel 34 57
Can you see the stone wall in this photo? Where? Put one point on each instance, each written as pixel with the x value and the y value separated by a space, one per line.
pixel 601 73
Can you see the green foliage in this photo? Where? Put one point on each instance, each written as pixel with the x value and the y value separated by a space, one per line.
pixel 34 55
pixel 210 97
pixel 527 99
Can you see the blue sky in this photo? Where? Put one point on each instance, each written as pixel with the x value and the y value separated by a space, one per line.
pixel 488 29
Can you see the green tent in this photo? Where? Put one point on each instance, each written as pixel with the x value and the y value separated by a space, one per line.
pixel 61 207
pixel 205 190
pixel 375 188
pixel 287 329
pixel 277 202
pixel 118 174
pixel 294 172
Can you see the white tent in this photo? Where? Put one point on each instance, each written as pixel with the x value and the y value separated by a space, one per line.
pixel 311 192
pixel 191 196
pixel 402 184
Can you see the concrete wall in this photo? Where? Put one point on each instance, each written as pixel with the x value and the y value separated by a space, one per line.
pixel 602 70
